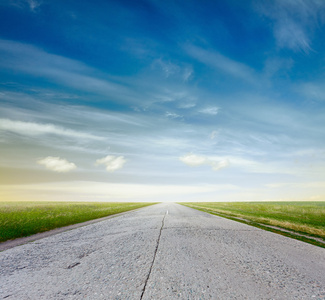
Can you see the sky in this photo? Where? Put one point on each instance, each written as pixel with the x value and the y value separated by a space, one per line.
pixel 148 100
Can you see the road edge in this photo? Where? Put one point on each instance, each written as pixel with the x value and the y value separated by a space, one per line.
pixel 278 230
pixel 32 238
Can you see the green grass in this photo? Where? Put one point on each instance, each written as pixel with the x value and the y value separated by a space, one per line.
pixel 306 218
pixel 20 219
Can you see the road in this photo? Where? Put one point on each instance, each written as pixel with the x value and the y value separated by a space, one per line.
pixel 165 251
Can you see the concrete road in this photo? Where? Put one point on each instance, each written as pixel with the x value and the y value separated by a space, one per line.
pixel 166 251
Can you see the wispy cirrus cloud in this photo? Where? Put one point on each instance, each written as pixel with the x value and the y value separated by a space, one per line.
pixel 167 67
pixel 216 60
pixel 68 72
pixel 293 21
pixel 34 129
pixel 111 162
pixel 188 73
pixel 32 5
pixel 170 69
pixel 290 34
pixel 57 164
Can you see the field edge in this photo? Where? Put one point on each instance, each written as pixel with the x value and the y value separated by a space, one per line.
pixel 311 239
pixel 74 219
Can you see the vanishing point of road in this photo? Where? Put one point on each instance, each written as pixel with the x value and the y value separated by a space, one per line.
pixel 165 251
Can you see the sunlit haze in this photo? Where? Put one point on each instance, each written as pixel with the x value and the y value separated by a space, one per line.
pixel 162 100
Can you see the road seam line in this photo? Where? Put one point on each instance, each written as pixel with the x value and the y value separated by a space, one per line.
pixel 154 256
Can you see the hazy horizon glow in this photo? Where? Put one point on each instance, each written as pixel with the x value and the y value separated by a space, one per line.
pixel 162 101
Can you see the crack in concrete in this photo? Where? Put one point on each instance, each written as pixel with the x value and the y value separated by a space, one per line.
pixel 154 256
pixel 73 265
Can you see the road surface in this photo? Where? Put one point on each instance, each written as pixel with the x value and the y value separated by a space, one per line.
pixel 165 251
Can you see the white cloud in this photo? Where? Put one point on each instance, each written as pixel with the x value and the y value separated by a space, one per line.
pixel 172 115
pixel 214 134
pixel 219 162
pixel 218 165
pixel 111 162
pixel 32 129
pixel 193 160
pixel 187 104
pixel 212 110
pixel 57 164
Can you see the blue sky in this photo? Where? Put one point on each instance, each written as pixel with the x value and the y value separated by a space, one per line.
pixel 162 100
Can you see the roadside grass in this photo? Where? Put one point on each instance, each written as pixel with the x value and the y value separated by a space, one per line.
pixel 306 218
pixel 21 219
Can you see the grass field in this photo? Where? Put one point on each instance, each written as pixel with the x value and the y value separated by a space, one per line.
pixel 307 218
pixel 20 219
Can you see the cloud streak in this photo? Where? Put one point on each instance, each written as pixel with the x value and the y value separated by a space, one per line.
pixel 294 21
pixel 34 129
pixel 216 60
pixel 193 160
pixel 68 72
pixel 33 5
pixel 291 35
pixel 211 110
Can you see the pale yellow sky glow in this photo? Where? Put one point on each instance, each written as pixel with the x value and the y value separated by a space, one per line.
pixel 95 191
pixel 98 191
